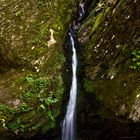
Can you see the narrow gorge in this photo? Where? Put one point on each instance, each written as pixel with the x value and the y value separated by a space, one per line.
pixel 70 70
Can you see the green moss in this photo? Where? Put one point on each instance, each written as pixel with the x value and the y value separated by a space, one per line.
pixel 135 59
pixel 97 22
pixel 88 85
pixel 100 18
pixel 18 13
pixel 37 101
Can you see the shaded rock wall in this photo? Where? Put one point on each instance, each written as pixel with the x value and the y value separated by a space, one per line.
pixel 110 34
pixel 109 97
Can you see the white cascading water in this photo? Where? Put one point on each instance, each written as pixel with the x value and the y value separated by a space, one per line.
pixel 68 128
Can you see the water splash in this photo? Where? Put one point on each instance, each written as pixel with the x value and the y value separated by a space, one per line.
pixel 68 128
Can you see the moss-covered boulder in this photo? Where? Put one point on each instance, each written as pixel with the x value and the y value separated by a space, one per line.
pixel 31 85
pixel 110 35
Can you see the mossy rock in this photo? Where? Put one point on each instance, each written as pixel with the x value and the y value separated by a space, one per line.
pixel 31 37
pixel 110 37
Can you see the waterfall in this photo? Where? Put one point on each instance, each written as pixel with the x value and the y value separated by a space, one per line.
pixel 68 126
pixel 68 129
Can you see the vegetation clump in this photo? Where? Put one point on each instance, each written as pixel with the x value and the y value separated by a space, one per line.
pixel 135 59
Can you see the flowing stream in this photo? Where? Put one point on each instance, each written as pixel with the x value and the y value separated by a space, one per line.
pixel 68 129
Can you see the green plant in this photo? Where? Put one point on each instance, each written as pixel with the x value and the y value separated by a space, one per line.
pixel 48 101
pixel 24 107
pixel 39 2
pixel 36 87
pixel 2 107
pixel 16 126
pixel 13 111
pixel 18 14
pixel 49 113
pixel 135 59
pixel 88 85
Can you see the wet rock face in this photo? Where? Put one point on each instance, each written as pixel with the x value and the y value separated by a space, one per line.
pixel 31 85
pixel 110 34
